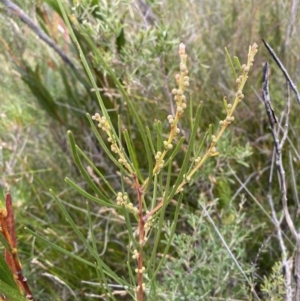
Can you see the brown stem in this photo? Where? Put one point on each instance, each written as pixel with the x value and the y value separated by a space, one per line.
pixel 140 270
pixel 153 211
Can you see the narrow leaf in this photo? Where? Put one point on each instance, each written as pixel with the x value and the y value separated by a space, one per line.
pixel 230 63
pixel 83 171
pixel 237 62
pixel 11 293
pixel 132 155
pixel 105 267
pixel 6 274
pixel 91 197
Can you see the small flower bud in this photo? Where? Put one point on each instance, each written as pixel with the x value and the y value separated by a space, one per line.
pixel 174 91
pixel 238 93
pixel 181 49
pixel 182 67
pixel 254 46
pixel 197 159
pixel 179 109
pixel 179 92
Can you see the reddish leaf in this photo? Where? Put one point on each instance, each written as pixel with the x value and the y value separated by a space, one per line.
pixel 10 224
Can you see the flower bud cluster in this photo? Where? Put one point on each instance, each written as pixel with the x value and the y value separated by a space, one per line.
pixel 140 271
pixel 143 287
pixel 105 126
pixel 102 122
pixel 239 80
pixel 239 94
pixel 158 159
pixel 170 119
pixel 187 178
pixel 136 254
pixel 253 50
pixel 168 145
pixel 245 69
pixel 122 199
pixel 149 224
pixel 213 150
pixel 183 82
pixel 197 160
pixel 227 121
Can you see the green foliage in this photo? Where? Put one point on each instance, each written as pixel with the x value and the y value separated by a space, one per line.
pixel 132 61
pixel 273 286
pixel 6 276
pixel 190 273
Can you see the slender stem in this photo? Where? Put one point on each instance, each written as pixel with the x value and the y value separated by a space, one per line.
pixel 140 269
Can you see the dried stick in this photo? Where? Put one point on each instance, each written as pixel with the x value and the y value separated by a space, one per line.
pixel 285 261
pixel 17 11
pixel 278 145
pixel 282 68
pixel 278 148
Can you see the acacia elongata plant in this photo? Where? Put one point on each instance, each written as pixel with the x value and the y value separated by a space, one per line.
pixel 145 204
